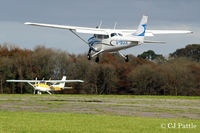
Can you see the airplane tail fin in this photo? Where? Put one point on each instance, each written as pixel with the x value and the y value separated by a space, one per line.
pixel 142 27
pixel 62 84
pixel 64 78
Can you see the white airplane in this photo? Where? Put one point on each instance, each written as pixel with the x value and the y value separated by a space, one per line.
pixel 47 85
pixel 113 40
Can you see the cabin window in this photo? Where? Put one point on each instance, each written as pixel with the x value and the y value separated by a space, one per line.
pixel 106 36
pixel 113 34
pixel 120 34
pixel 98 36
pixel 42 82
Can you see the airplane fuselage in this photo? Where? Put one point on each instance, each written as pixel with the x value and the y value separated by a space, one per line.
pixel 44 87
pixel 112 43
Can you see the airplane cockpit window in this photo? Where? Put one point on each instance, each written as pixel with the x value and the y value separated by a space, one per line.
pixel 42 82
pixel 120 34
pixel 106 36
pixel 113 34
pixel 98 36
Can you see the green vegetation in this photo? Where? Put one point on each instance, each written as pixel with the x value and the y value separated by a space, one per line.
pixel 179 75
pixel 98 113
pixel 35 122
pixel 190 51
pixel 152 56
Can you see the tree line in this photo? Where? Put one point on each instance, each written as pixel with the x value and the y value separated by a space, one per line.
pixel 147 74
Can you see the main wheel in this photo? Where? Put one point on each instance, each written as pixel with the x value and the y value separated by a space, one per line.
pixel 97 59
pixel 126 58
pixel 89 57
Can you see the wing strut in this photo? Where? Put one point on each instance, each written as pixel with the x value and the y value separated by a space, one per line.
pixel 80 38
pixel 97 53
pixel 31 85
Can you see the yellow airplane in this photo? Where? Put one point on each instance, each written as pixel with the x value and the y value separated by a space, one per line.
pixel 47 85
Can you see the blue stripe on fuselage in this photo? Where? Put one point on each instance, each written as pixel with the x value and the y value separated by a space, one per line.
pixel 142 34
pixel 90 38
pixel 94 42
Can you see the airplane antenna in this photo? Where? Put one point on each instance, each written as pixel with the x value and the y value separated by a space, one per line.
pixel 100 24
pixel 115 25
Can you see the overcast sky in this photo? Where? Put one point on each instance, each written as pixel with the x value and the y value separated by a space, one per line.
pixel 163 14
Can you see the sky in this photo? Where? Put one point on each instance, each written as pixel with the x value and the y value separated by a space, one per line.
pixel 163 14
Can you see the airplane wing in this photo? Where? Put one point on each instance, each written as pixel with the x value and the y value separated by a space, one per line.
pixel 23 81
pixel 88 30
pixel 50 81
pixel 75 28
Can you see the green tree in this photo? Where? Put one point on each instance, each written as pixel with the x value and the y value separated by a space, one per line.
pixel 151 55
pixel 190 51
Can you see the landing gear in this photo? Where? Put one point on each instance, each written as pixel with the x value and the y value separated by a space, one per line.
pixel 89 55
pixel 49 92
pixel 126 58
pixel 97 59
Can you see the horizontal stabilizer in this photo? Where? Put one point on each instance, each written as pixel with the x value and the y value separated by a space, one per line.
pixel 68 87
pixel 148 41
pixel 170 31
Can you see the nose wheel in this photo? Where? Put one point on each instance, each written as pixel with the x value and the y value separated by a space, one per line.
pixel 126 58
pixel 89 57
pixel 89 54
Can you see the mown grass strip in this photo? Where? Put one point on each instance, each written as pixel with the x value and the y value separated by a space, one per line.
pixel 37 122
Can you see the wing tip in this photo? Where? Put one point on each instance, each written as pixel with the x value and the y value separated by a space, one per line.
pixel 27 23
pixel 190 32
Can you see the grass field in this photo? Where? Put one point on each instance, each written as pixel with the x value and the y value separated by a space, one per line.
pixel 37 122
pixel 98 114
